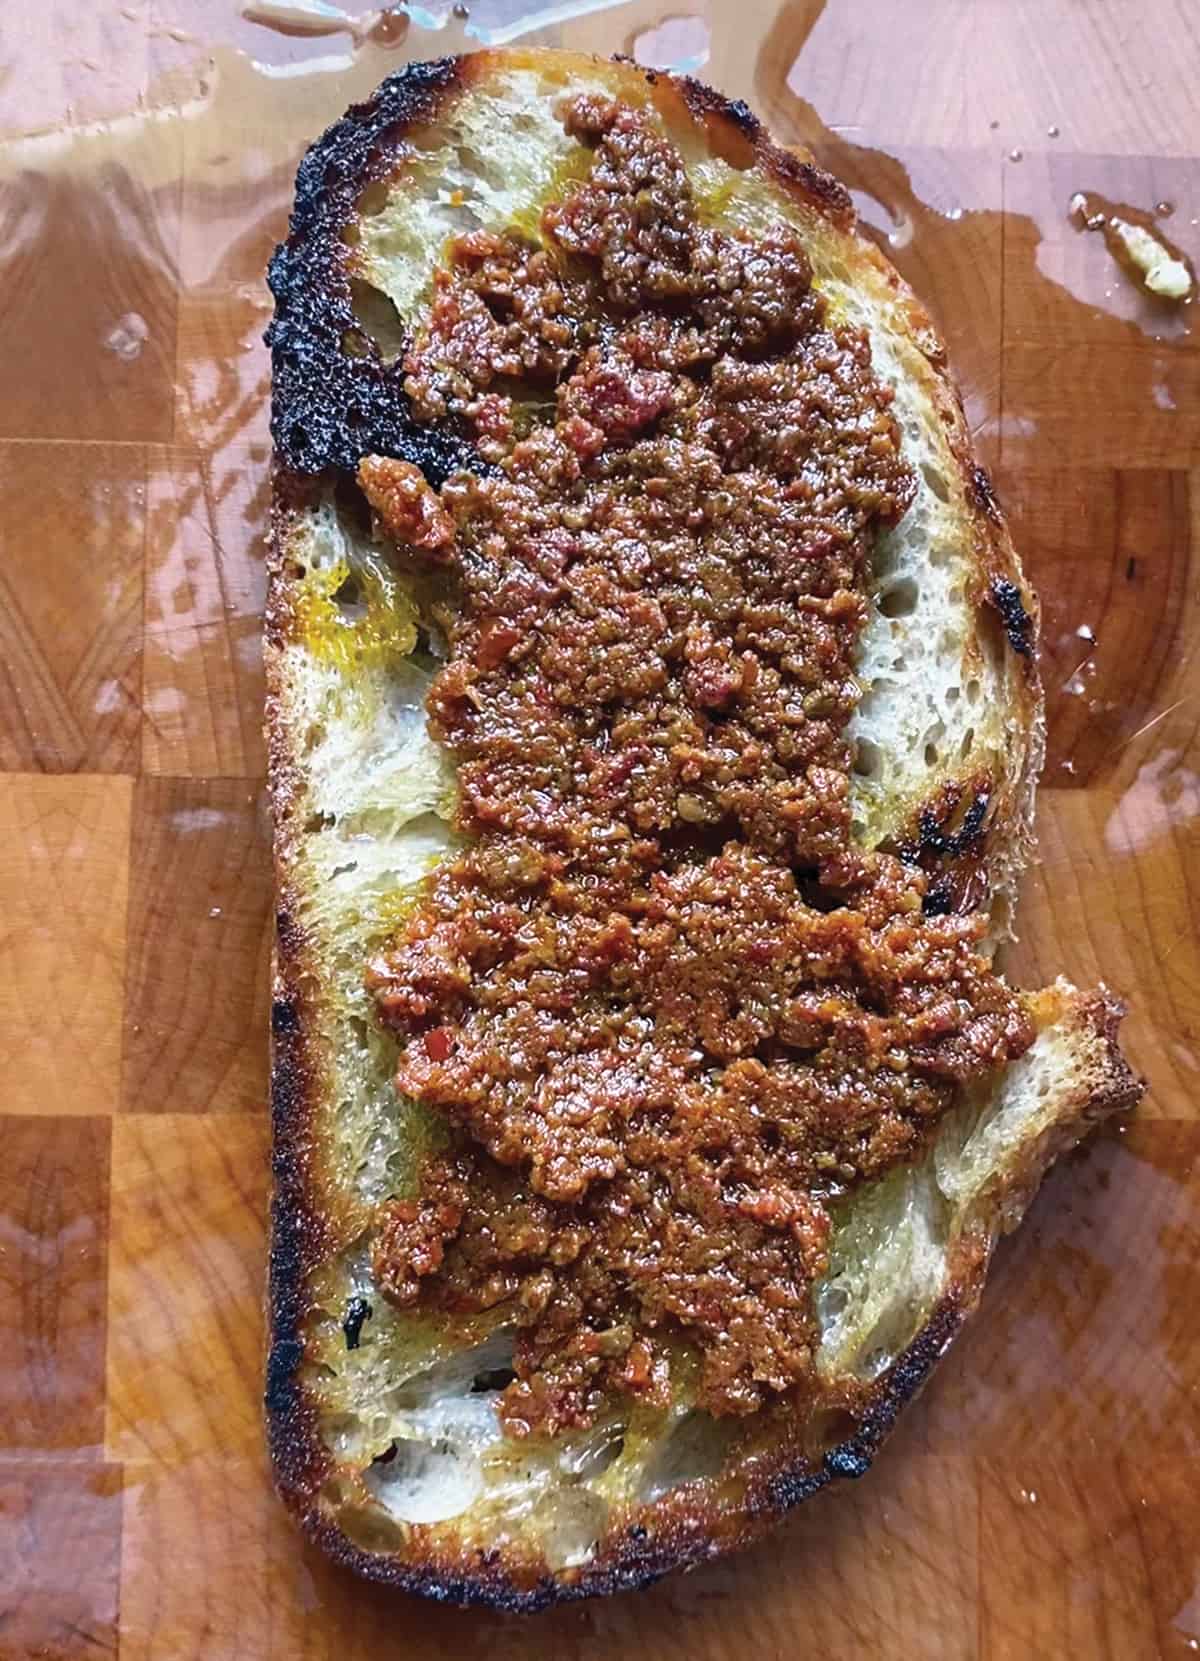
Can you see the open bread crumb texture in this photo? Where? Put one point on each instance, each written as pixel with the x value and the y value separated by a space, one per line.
pixel 409 1412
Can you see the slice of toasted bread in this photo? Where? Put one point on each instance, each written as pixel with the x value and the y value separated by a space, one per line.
pixel 382 1421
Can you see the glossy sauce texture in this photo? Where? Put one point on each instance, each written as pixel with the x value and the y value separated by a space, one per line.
pixel 1041 1497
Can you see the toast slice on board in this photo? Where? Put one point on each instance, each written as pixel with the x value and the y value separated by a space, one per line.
pixel 386 1414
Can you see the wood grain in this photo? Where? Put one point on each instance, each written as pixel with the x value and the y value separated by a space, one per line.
pixel 202 685
pixel 1114 896
pixel 1105 1359
pixel 64 860
pixel 1079 339
pixel 1040 1500
pixel 185 1264
pixel 199 942
pixel 54 1181
pixel 1105 1532
pixel 60 1560
pixel 78 64
pixel 71 649
pixel 1112 556
pixel 90 300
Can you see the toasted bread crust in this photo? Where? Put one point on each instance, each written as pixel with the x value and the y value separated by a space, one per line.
pixel 329 410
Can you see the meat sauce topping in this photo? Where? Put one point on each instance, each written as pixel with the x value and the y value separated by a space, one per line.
pixel 665 1007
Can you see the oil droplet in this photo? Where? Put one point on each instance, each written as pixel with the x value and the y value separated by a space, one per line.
pixel 127 336
pixel 993 125
pixel 1164 209
pixel 1015 155
pixel 1052 131
pixel 390 27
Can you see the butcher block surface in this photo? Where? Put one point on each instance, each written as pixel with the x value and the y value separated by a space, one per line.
pixel 1042 1498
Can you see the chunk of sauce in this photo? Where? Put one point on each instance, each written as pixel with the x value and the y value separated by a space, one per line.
pixel 667 1008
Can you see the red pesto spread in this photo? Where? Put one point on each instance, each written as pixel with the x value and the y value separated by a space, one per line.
pixel 665 1007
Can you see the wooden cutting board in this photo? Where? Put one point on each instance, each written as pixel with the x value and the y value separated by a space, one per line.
pixel 1043 1498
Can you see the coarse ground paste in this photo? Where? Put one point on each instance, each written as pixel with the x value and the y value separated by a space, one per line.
pixel 667 1009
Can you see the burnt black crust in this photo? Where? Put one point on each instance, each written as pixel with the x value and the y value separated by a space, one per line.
pixel 984 494
pixel 954 844
pixel 953 859
pixel 853 1458
pixel 939 899
pixel 292 1432
pixel 284 1018
pixel 328 409
pixel 1018 624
